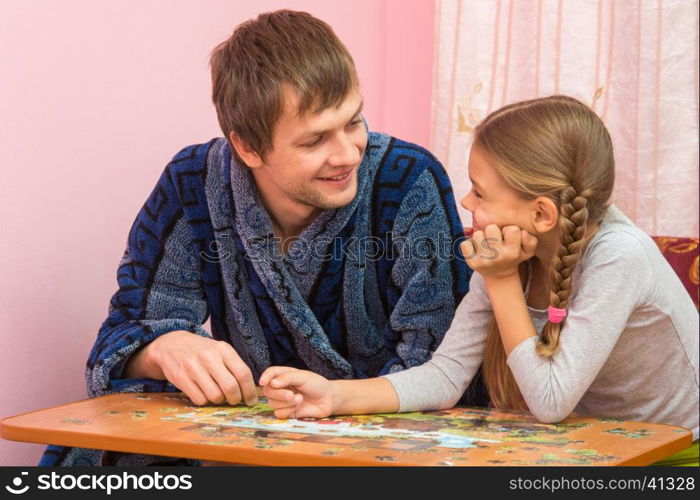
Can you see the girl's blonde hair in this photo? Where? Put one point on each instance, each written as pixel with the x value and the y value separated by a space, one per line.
pixel 555 147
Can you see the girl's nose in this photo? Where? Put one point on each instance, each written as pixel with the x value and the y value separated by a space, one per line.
pixel 467 201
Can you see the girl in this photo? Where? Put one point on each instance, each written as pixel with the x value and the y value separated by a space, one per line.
pixel 571 307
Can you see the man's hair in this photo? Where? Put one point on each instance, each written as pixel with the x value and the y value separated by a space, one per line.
pixel 250 69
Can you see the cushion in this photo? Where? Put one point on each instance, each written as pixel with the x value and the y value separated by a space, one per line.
pixel 682 254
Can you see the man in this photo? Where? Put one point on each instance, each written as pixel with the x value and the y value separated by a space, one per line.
pixel 306 240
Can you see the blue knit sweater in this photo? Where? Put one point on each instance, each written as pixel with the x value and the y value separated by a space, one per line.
pixel 369 289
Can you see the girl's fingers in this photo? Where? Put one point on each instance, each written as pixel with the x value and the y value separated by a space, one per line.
pixel 272 372
pixel 286 412
pixel 476 239
pixel 477 243
pixel 529 244
pixel 511 238
pixel 493 234
pixel 289 378
pixel 468 250
pixel 278 394
pixel 276 404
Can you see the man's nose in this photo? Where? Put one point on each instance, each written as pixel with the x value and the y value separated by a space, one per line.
pixel 345 152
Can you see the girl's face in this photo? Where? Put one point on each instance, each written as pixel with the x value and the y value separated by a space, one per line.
pixel 491 200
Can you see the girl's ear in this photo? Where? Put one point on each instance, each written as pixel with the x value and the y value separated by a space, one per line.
pixel 545 214
pixel 250 157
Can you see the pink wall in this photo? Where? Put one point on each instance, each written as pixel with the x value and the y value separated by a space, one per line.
pixel 95 97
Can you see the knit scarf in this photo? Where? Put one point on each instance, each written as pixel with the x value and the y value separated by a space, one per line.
pixel 265 287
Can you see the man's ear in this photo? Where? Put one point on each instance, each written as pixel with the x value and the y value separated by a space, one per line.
pixel 545 214
pixel 250 157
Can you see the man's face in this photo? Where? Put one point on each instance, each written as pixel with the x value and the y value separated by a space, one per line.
pixel 314 158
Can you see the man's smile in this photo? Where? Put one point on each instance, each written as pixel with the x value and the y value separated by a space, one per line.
pixel 339 178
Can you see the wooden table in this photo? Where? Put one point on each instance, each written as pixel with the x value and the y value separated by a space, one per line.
pixel 168 424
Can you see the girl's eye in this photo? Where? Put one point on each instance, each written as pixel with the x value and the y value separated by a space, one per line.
pixel 355 122
pixel 477 194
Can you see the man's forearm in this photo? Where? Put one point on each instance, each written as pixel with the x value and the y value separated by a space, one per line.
pixel 142 365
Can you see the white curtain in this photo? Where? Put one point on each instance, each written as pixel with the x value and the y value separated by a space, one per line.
pixel 634 61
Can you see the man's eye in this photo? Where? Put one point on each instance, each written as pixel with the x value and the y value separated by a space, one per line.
pixel 313 143
pixel 477 194
pixel 355 122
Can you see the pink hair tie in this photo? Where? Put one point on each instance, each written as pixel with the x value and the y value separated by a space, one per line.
pixel 555 315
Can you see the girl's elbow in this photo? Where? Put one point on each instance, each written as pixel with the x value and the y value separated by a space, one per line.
pixel 450 401
pixel 550 415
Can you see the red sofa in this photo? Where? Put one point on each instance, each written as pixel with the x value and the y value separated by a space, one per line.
pixel 683 255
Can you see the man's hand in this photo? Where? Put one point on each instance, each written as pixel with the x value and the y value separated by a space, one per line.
pixel 496 253
pixel 206 370
pixel 294 393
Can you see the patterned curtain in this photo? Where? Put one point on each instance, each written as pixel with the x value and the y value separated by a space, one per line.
pixel 634 61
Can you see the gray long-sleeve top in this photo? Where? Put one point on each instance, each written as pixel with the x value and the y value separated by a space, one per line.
pixel 628 348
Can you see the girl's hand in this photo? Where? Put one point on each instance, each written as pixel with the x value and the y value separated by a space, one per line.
pixel 496 253
pixel 294 393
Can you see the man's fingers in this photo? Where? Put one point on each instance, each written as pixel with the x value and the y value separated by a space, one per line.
pixel 211 365
pixel 187 385
pixel 243 376
pixel 227 383
pixel 207 385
